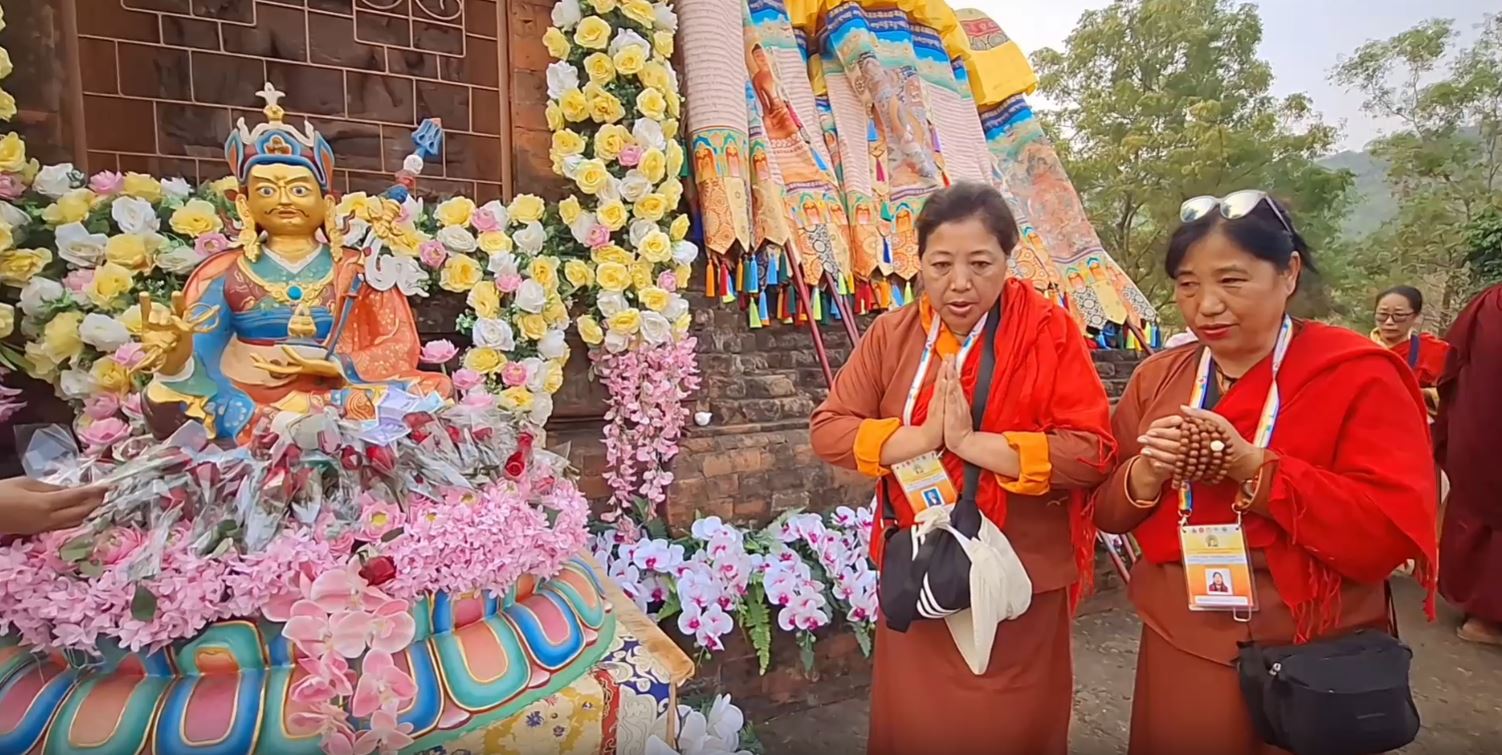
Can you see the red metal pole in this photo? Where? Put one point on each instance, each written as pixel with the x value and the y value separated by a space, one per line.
pixel 804 295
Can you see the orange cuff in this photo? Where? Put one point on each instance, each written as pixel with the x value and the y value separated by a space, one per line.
pixel 1034 468
pixel 872 435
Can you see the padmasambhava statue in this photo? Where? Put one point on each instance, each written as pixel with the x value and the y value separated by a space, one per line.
pixel 286 322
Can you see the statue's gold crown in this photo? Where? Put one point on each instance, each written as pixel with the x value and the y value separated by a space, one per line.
pixel 275 142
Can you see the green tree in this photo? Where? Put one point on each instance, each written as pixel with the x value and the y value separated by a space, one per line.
pixel 1484 248
pixel 1157 101
pixel 1444 159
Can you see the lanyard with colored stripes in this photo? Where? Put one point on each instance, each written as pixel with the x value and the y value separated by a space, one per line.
pixel 928 351
pixel 1270 407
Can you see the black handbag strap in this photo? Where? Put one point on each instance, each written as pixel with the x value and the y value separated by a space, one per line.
pixel 982 398
pixel 1392 609
pixel 1413 351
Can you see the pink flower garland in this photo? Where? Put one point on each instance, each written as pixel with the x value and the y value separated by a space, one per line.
pixel 647 387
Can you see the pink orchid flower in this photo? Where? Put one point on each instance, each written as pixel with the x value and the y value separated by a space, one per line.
pixel 327 678
pixel 350 633
pixel 393 737
pixel 106 182
pixel 339 590
pixel 466 379
pixel 308 629
pixel 391 627
pixel 438 352
pixel 322 719
pixel 383 686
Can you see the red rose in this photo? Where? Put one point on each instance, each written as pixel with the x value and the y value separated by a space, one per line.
pixel 516 465
pixel 350 459
pixel 524 443
pixel 382 458
pixel 483 434
pixel 454 435
pixel 379 570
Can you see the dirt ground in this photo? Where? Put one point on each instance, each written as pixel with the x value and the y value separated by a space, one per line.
pixel 1456 684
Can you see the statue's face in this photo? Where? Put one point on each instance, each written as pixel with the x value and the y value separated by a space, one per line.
pixel 285 200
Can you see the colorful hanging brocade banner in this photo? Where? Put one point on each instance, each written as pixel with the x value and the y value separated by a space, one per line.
pixel 854 112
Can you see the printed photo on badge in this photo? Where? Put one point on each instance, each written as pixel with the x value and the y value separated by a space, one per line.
pixel 1217 573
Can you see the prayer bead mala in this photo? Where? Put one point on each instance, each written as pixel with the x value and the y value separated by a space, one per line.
pixel 1206 456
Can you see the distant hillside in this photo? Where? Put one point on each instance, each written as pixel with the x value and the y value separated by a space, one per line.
pixel 1373 203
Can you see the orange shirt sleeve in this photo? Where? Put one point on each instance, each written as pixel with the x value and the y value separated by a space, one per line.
pixel 870 436
pixel 1035 473
pixel 837 430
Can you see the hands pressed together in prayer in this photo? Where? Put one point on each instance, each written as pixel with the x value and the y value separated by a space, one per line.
pixel 28 507
pixel 949 426
pixel 1163 444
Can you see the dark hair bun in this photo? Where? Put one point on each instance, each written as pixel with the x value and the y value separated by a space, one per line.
pixel 966 200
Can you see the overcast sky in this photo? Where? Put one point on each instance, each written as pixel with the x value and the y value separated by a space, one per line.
pixel 1302 39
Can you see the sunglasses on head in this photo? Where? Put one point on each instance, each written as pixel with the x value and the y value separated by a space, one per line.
pixel 1235 205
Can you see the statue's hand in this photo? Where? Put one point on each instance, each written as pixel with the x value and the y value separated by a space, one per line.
pixel 296 364
pixel 167 337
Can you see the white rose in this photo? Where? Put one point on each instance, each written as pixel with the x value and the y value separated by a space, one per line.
pixel 13 216
pixel 135 215
pixel 531 297
pixel 57 180
pixel 553 345
pixel 180 259
pixel 542 408
pixel 684 252
pixel 666 18
pixel 503 264
pixel 562 76
pixel 615 342
pixel 640 229
pixel 535 373
pixel 611 191
pixel 676 308
pixel 76 384
pixel 655 329
pixel 103 332
pixel 610 302
pixel 567 14
pixel 412 163
pixel 530 238
pixel 672 80
pixel 494 333
pixel 176 188
pixel 626 38
pixel 76 245
pixel 457 239
pixel 412 206
pixel 582 225
pixel 648 133
pixel 498 211
pixel 635 186
pixel 38 293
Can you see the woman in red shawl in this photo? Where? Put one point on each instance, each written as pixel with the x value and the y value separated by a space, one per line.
pixel 1399 312
pixel 1044 440
pixel 1328 474
pixel 1465 442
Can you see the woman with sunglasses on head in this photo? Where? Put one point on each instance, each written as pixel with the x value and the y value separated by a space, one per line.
pixel 1042 441
pixel 1399 313
pixel 1291 451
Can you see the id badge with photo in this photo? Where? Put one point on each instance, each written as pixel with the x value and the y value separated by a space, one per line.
pixel 925 482
pixel 1217 572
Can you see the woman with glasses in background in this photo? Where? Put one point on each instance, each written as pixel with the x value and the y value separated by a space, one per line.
pixel 1322 482
pixel 1399 314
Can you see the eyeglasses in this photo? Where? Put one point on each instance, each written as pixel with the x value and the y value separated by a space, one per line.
pixel 1394 317
pixel 1237 204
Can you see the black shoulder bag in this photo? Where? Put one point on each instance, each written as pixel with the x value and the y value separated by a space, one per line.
pixel 929 578
pixel 1345 695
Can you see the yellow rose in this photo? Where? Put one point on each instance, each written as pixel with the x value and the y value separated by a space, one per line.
pixel 195 218
pixel 610 253
pixel 556 43
pixel 654 165
pixel 12 153
pixel 226 185
pixel 671 190
pixel 460 273
pixel 652 104
pixel 72 207
pixel 613 276
pixel 110 285
pixel 526 208
pixel 19 266
pixel 675 158
pixel 603 6
pixel 589 330
pixel 7 237
pixel 651 207
pixel 605 108
pixel 679 228
pixel 641 274
pixel 60 338
pixel 554 379
pixel 567 142
pixel 7 319
pixel 110 376
pixel 579 273
pixel 593 33
pixel 485 300
pixel 516 399
pixel 610 140
pixel 612 214
pixel 494 242
pixel 600 68
pixel 532 327
pixel 654 74
pixel 574 106
pixel 639 11
pixel 653 298
pixel 630 59
pixel 674 101
pixel 544 270
pixel 142 186
pixel 455 211
pixel 655 247
pixel 684 273
pixel 406 241
pixel 40 364
pixel 591 176
pixel 556 312
pixel 554 116
pixel 681 325
pixel 625 322
pixel 569 209
pixel 484 360
pixel 662 43
pixel 132 251
pixel 7 105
